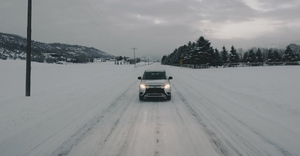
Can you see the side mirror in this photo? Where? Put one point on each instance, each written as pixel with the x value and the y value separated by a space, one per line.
pixel 170 77
pixel 139 78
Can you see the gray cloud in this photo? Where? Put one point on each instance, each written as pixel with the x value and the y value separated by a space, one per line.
pixel 155 27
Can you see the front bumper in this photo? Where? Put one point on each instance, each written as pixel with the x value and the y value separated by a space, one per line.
pixel 155 92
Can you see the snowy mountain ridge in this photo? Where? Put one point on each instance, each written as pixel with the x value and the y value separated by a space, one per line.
pixel 14 46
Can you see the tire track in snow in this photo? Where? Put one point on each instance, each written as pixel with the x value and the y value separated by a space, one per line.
pixel 185 126
pixel 282 150
pixel 264 138
pixel 123 149
pixel 87 128
pixel 218 142
pixel 129 134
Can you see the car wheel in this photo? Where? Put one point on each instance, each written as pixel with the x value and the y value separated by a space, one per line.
pixel 169 97
pixel 141 98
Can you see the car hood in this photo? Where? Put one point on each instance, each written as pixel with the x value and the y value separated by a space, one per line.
pixel 155 82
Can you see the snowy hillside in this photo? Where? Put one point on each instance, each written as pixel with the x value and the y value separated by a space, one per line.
pixel 14 46
pixel 93 109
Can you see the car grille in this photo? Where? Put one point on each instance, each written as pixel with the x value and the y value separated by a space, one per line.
pixel 155 90
pixel 155 95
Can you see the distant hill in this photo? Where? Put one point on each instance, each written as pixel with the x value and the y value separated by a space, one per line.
pixel 14 46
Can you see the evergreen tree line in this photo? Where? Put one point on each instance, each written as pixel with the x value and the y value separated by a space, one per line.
pixel 202 53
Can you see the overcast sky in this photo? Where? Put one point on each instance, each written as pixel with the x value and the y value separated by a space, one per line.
pixel 154 27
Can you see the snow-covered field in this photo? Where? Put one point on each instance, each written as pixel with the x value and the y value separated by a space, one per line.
pixel 93 109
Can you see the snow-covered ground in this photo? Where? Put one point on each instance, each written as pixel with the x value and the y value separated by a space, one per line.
pixel 93 109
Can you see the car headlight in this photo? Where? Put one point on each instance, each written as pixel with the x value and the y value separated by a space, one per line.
pixel 143 86
pixel 167 86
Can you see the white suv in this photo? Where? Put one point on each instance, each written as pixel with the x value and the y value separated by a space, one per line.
pixel 155 84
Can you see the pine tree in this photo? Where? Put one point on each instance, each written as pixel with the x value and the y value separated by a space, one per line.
pixel 271 57
pixel 289 55
pixel 259 56
pixel 217 58
pixel 188 56
pixel 245 57
pixel 119 58
pixel 203 52
pixel 234 57
pixel 251 56
pixel 224 55
pixel 210 56
pixel 277 57
pixel 163 60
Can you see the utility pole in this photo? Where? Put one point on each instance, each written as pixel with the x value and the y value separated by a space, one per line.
pixel 134 56
pixel 28 57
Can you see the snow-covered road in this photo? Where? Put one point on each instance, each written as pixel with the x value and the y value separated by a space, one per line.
pixel 93 109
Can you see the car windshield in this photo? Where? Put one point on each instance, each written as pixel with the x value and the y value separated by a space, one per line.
pixel 154 75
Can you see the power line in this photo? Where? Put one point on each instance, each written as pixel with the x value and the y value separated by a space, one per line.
pixel 108 21
pixel 87 7
pixel 83 11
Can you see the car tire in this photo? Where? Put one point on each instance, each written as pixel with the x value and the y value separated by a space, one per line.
pixel 141 98
pixel 169 97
